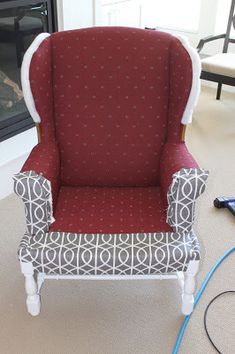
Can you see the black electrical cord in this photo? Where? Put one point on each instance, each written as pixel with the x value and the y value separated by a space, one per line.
pixel 205 317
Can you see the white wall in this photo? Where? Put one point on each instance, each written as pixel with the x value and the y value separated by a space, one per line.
pixel 86 13
pixel 222 16
pixel 141 13
pixel 74 14
pixel 220 26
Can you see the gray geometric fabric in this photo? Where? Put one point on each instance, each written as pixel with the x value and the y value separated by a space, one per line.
pixel 187 185
pixel 109 254
pixel 35 191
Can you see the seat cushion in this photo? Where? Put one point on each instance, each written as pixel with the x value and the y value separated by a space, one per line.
pixel 110 210
pixel 221 64
pixel 109 255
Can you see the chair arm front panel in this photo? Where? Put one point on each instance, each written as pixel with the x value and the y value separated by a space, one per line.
pixel 37 184
pixel 187 185
pixel 45 159
pixel 182 182
pixel 175 156
pixel 35 191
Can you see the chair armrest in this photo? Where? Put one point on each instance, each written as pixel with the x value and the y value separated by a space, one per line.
pixel 175 156
pixel 37 185
pixel 44 160
pixel 182 182
pixel 207 40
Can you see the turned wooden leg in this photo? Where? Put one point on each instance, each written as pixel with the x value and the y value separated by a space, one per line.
pixel 180 276
pixel 189 287
pixel 33 298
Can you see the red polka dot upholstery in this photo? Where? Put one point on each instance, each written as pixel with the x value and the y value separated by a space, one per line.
pixel 110 210
pixel 44 159
pixel 111 95
pixel 118 96
pixel 111 102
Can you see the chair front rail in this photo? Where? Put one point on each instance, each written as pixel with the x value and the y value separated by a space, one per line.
pixel 187 282
pixel 41 277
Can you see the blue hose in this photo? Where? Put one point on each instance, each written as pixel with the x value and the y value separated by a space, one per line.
pixel 204 284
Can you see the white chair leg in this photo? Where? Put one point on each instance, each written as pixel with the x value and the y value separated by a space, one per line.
pixel 180 276
pixel 33 299
pixel 189 287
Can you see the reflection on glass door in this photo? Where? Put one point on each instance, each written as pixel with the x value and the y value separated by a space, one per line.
pixel 19 25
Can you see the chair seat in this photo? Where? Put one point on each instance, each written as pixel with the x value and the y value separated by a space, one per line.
pixel 109 254
pixel 221 64
pixel 110 210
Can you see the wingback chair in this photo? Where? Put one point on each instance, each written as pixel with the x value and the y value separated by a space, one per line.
pixel 110 190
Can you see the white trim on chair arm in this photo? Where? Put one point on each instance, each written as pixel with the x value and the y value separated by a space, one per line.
pixel 25 81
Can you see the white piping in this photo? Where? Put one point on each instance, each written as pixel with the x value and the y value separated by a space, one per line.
pixel 26 88
pixel 195 89
pixel 110 277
